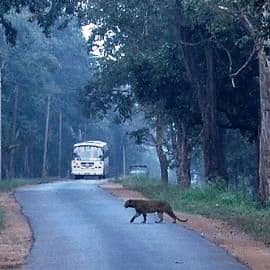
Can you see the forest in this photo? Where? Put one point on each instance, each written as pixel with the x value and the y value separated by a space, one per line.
pixel 187 80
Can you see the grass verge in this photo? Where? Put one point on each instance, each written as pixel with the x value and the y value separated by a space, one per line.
pixel 9 185
pixel 235 207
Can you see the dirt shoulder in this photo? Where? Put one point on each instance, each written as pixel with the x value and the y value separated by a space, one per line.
pixel 253 253
pixel 16 237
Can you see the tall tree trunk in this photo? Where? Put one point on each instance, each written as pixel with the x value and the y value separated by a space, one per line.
pixel 116 154
pixel 163 161
pixel 1 83
pixel 264 76
pixel 44 163
pixel 213 150
pixel 182 155
pixel 13 134
pixel 264 156
pixel 214 158
pixel 26 161
pixel 124 159
pixel 60 143
pixel 31 164
pixel 176 154
pixel 206 93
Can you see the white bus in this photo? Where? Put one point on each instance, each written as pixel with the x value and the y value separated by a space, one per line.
pixel 90 158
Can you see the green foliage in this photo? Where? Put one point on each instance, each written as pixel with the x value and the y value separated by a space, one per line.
pixel 235 207
pixel 140 136
pixel 45 12
pixel 241 164
pixel 141 67
pixel 143 49
pixel 39 66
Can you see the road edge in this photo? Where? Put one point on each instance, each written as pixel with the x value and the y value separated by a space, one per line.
pixel 16 238
pixel 251 253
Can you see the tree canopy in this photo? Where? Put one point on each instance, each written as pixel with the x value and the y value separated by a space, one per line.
pixel 197 72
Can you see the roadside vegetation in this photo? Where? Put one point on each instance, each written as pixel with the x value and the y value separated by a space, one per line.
pixel 9 185
pixel 235 207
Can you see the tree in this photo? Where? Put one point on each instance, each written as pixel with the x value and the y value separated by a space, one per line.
pixel 164 88
pixel 1 81
pixel 13 133
pixel 156 16
pixel 150 85
pixel 39 66
pixel 198 53
pixel 255 22
pixel 264 67
pixel 207 39
pixel 44 163
pixel 44 12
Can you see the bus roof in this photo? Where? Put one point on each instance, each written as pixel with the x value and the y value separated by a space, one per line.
pixel 91 143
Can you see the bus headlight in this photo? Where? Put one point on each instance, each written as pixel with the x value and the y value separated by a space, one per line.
pixel 76 165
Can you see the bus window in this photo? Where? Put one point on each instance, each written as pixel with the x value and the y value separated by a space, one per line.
pixel 87 153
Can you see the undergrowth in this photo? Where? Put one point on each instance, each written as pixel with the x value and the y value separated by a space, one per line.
pixel 9 185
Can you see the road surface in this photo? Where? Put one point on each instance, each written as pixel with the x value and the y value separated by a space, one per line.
pixel 79 226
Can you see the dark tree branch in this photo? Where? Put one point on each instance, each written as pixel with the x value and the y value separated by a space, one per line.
pixel 232 75
pixel 245 64
pixel 192 44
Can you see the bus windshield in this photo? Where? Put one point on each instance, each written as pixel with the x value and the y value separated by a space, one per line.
pixel 87 152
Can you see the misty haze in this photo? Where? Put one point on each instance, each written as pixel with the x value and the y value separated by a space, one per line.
pixel 108 102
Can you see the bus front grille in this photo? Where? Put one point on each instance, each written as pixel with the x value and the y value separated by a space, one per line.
pixel 87 164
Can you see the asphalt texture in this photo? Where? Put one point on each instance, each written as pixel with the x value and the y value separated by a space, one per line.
pixel 79 226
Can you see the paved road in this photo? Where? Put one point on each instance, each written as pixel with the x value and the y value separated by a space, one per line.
pixel 78 226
